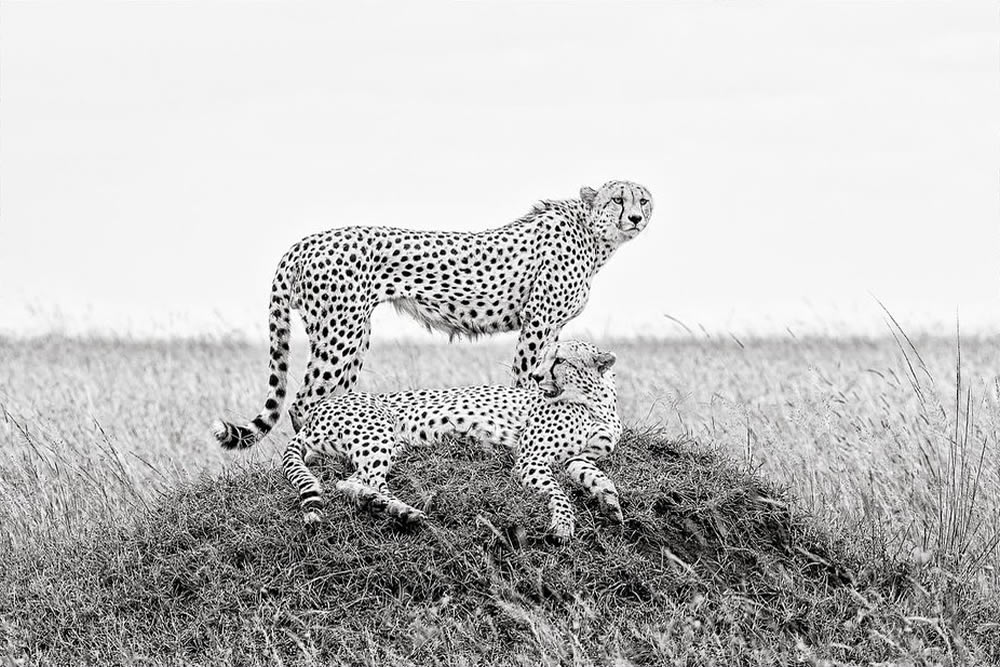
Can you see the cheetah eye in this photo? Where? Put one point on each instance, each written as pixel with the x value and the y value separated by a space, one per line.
pixel 558 360
pixel 643 202
pixel 617 200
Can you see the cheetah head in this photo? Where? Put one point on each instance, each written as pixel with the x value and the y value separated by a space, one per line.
pixel 618 210
pixel 573 371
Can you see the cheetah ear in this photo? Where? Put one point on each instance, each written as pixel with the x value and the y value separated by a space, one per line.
pixel 587 194
pixel 604 361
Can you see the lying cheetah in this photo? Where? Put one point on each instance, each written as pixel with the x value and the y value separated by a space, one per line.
pixel 571 419
pixel 532 275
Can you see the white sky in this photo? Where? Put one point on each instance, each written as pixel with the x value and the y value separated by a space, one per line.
pixel 156 159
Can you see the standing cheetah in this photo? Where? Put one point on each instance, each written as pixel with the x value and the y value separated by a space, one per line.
pixel 533 274
pixel 570 419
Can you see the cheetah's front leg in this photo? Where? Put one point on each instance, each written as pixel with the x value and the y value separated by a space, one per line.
pixel 558 295
pixel 584 473
pixel 534 337
pixel 537 476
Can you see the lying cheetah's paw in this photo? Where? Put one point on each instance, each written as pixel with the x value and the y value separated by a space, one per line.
pixel 561 531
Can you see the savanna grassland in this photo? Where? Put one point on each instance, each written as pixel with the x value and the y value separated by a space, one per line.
pixel 787 501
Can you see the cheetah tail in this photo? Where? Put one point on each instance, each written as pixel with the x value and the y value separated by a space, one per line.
pixel 233 436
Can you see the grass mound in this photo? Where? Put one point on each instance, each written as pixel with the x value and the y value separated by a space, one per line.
pixel 711 565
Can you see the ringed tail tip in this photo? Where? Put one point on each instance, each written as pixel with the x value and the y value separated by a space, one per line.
pixel 221 432
pixel 231 436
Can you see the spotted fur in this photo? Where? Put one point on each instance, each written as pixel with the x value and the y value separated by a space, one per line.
pixel 570 419
pixel 532 275
pixel 575 428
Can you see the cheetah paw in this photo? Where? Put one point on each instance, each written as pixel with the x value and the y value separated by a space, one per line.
pixel 614 511
pixel 374 504
pixel 413 516
pixel 404 512
pixel 561 532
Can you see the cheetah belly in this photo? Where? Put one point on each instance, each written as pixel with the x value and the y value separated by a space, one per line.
pixel 458 319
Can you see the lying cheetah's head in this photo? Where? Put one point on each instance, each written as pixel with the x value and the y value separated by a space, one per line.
pixel 619 210
pixel 574 371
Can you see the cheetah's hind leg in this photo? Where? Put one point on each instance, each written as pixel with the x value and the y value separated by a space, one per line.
pixel 337 349
pixel 299 476
pixel 372 458
pixel 378 501
pixel 399 509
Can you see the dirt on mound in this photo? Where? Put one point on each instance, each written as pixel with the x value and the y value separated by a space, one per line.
pixel 711 565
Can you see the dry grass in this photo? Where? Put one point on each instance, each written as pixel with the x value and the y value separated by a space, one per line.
pixel 891 447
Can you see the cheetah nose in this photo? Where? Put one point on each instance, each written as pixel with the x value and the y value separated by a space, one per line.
pixel 537 377
pixel 635 218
